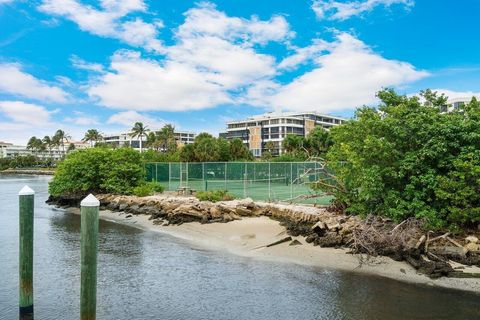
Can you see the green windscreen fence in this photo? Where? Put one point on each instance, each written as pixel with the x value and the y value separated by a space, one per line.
pixel 263 181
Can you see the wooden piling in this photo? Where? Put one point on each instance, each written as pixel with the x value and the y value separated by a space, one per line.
pixel 89 241
pixel 26 208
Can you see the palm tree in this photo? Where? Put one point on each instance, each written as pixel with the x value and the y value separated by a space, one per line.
pixel 152 140
pixel 166 137
pixel 61 138
pixel 139 130
pixel 93 136
pixel 35 144
pixel 48 143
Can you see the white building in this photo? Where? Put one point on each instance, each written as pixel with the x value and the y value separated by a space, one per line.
pixel 256 131
pixel 125 139
pixel 456 104
pixel 9 150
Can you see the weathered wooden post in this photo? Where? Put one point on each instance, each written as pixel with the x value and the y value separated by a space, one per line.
pixel 26 202
pixel 89 241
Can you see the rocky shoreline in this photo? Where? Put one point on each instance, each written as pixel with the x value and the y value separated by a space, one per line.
pixel 435 255
pixel 29 172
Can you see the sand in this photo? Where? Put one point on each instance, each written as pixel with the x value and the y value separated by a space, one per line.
pixel 249 236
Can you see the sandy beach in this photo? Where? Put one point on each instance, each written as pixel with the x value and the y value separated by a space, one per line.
pixel 248 237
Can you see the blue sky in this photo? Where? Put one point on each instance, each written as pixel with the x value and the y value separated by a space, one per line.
pixel 78 64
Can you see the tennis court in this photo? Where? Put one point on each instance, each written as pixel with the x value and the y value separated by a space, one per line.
pixel 263 181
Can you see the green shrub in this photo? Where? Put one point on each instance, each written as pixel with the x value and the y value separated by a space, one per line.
pixel 148 189
pixel 98 170
pixel 214 195
pixel 409 160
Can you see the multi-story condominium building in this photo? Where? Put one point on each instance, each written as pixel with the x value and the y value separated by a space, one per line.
pixel 456 104
pixel 256 131
pixel 125 139
pixel 8 150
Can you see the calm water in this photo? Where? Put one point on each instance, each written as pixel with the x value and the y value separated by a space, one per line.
pixel 146 275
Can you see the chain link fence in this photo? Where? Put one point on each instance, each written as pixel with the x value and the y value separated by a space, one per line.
pixel 262 181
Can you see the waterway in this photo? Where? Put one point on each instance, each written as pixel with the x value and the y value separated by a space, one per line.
pixel 149 275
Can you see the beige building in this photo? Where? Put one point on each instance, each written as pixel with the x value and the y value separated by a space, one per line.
pixel 256 131
pixel 9 150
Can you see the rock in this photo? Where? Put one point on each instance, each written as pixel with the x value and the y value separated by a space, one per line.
pixel 295 243
pixel 454 251
pixel 311 238
pixel 329 240
pixel 471 239
pixel 243 211
pixel 247 203
pixel 122 206
pixel 472 247
pixel 128 216
pixel 320 228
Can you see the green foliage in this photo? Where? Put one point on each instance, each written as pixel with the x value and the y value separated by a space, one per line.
pixel 206 148
pixel 156 156
pixel 298 148
pixel 98 170
pixel 23 162
pixel 214 195
pixel 148 189
pixel 409 160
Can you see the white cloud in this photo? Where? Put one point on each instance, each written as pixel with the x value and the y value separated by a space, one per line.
pixel 16 82
pixel 110 21
pixel 206 20
pixel 81 119
pixel 303 55
pixel 5 1
pixel 25 113
pixel 453 95
pixel 336 10
pixel 347 76
pixel 212 60
pixel 128 119
pixel 141 84
pixel 79 63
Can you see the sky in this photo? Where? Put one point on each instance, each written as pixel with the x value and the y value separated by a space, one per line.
pixel 80 64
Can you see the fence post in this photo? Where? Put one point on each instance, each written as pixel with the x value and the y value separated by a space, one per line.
pixel 203 175
pixel 269 183
pixel 245 177
pixel 89 241
pixel 225 176
pixel 156 171
pixel 291 180
pixel 26 210
pixel 169 175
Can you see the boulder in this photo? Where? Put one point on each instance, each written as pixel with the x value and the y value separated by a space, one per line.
pixel 243 211
pixel 472 247
pixel 471 239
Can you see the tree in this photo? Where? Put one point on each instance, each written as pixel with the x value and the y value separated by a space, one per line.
pixel 187 153
pixel 60 138
pixel 206 148
pixel 71 147
pixel 224 150
pixel 293 143
pixel 318 142
pixel 166 137
pixel 139 130
pixel 238 151
pixel 35 144
pixel 408 159
pixel 270 146
pixel 48 143
pixel 93 136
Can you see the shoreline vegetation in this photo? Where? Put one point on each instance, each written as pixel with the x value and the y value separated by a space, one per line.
pixel 325 237
pixel 404 178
